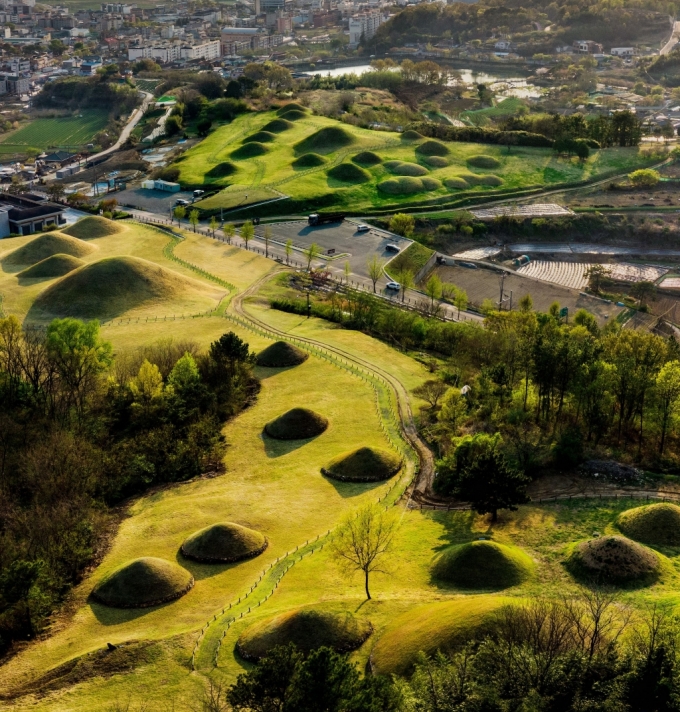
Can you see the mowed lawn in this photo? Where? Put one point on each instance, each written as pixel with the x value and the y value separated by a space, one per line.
pixel 219 161
pixel 63 131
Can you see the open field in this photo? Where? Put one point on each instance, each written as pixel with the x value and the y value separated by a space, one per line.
pixel 43 134
pixel 320 162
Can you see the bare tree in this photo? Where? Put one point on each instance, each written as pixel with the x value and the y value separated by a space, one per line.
pixel 363 539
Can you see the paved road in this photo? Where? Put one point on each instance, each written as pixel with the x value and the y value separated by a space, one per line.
pixel 674 38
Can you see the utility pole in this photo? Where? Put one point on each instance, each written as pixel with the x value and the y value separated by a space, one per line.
pixel 501 279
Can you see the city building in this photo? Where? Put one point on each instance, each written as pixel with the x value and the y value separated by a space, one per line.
pixel 363 26
pixel 623 52
pixel 90 65
pixel 211 49
pixel 27 213
pixel 587 47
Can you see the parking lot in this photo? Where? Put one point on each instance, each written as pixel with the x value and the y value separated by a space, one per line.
pixel 342 237
pixel 155 201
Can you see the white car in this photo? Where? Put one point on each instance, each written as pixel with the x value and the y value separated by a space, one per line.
pixel 393 285
pixel 363 228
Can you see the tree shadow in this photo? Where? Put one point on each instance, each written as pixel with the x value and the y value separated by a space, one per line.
pixel 278 448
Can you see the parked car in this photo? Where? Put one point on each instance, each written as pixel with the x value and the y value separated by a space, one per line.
pixel 363 228
pixel 198 193
pixel 392 248
pixel 393 285
pixel 182 202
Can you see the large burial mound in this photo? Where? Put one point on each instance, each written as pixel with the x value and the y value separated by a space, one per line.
pixel 656 524
pixel 94 227
pixel 290 107
pixel 223 543
pixel 112 286
pixel 47 245
pixel 614 560
pixel 407 185
pixel 293 115
pixel 482 161
pixel 296 424
pixel 277 126
pixel 221 170
pixel 326 140
pixel 249 150
pixel 261 136
pixel 432 148
pixel 436 626
pixel 142 583
pixel 281 354
pixel 54 266
pixel 307 629
pixel 367 158
pixel 309 160
pixel 349 173
pixel 365 464
pixel 411 135
pixel 483 565
pixel 403 168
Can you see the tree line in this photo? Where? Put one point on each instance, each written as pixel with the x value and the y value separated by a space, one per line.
pixel 82 430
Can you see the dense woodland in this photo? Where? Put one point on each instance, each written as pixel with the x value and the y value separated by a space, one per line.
pixel 81 430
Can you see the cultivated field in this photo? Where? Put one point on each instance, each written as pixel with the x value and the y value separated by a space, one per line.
pixel 42 134
pixel 573 274
pixel 320 162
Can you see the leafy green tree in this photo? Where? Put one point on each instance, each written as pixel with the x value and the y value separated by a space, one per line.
pixel 229 232
pixel 247 232
pixel 179 212
pixel 267 236
pixel 460 300
pixel 668 394
pixel 311 253
pixel 194 218
pixel 173 125
pixel 214 223
pixel 406 279
pixel 433 289
pixel 289 250
pixel 402 224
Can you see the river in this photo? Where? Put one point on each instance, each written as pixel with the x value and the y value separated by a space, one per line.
pixel 505 86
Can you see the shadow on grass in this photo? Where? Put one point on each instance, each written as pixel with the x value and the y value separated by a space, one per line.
pixel 115 616
pixel 201 571
pixel 352 489
pixel 278 448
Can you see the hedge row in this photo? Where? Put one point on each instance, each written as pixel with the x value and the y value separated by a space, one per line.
pixel 476 134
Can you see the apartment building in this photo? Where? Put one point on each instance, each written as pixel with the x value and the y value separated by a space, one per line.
pixel 363 25
pixel 212 49
pixel 587 47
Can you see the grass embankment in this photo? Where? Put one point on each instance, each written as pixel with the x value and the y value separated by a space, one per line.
pixel 413 258
pixel 322 164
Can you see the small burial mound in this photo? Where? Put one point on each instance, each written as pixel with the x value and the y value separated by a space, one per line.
pixel 93 227
pixel 655 524
pixel 367 158
pixel 223 543
pixel 114 285
pixel 483 162
pixel 411 135
pixel 407 185
pixel 483 565
pixel 296 424
pixel 307 629
pixel 293 115
pixel 436 161
pixel 221 170
pixel 142 583
pixel 489 179
pixel 456 183
pixel 277 126
pixel 309 160
pixel 249 150
pixel 293 106
pixel 326 140
pixel 614 560
pixel 349 173
pixel 436 626
pixel 261 136
pixel 47 245
pixel 54 266
pixel 281 354
pixel 432 148
pixel 365 464
pixel 402 168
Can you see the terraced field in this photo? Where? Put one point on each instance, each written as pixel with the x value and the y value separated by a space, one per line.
pixel 573 274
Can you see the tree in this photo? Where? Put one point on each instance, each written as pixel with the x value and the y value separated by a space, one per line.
pixel 668 394
pixel 402 224
pixel 179 212
pixel 203 127
pixel 460 301
pixel 147 385
pixel 56 191
pixel 407 280
pixel 233 90
pixel 348 270
pixel 289 250
pixel 431 391
pixel 173 125
pixel 582 151
pixel 247 232
pixel 311 253
pixel 194 218
pixel 597 276
pixel 363 539
pixel 229 232
pixel 214 222
pixel 267 235
pixel 433 289
pixel 375 270
pixel 644 178
pixel 509 139
pixel 643 291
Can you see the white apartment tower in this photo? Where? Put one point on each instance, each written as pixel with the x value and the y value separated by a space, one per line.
pixel 364 24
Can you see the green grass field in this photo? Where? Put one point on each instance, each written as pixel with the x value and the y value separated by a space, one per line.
pixel 227 158
pixel 277 488
pixel 43 134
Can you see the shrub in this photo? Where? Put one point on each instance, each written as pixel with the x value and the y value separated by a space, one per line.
pixel 644 178
pixel 349 173
pixel 432 148
pixel 367 158
pixel 484 162
pixel 476 134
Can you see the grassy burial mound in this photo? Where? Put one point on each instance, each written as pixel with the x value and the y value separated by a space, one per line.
pixel 223 543
pixel 456 183
pixel 436 626
pixel 93 227
pixel 221 170
pixel 367 158
pixel 277 126
pixel 436 161
pixel 293 106
pixel 432 148
pixel 483 565
pixel 365 464
pixel 281 354
pixel 309 160
pixel 249 150
pixel 47 245
pixel 483 162
pixel 293 115
pixel 488 179
pixel 296 424
pixel 142 583
pixel 614 560
pixel 261 137
pixel 402 168
pixel 407 185
pixel 112 286
pixel 307 629
pixel 655 524
pixel 411 135
pixel 326 140
pixel 54 266
pixel 349 173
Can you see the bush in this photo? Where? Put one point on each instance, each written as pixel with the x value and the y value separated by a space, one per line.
pixel 432 148
pixel 476 134
pixel 349 173
pixel 484 162
pixel 227 109
pixel 644 178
